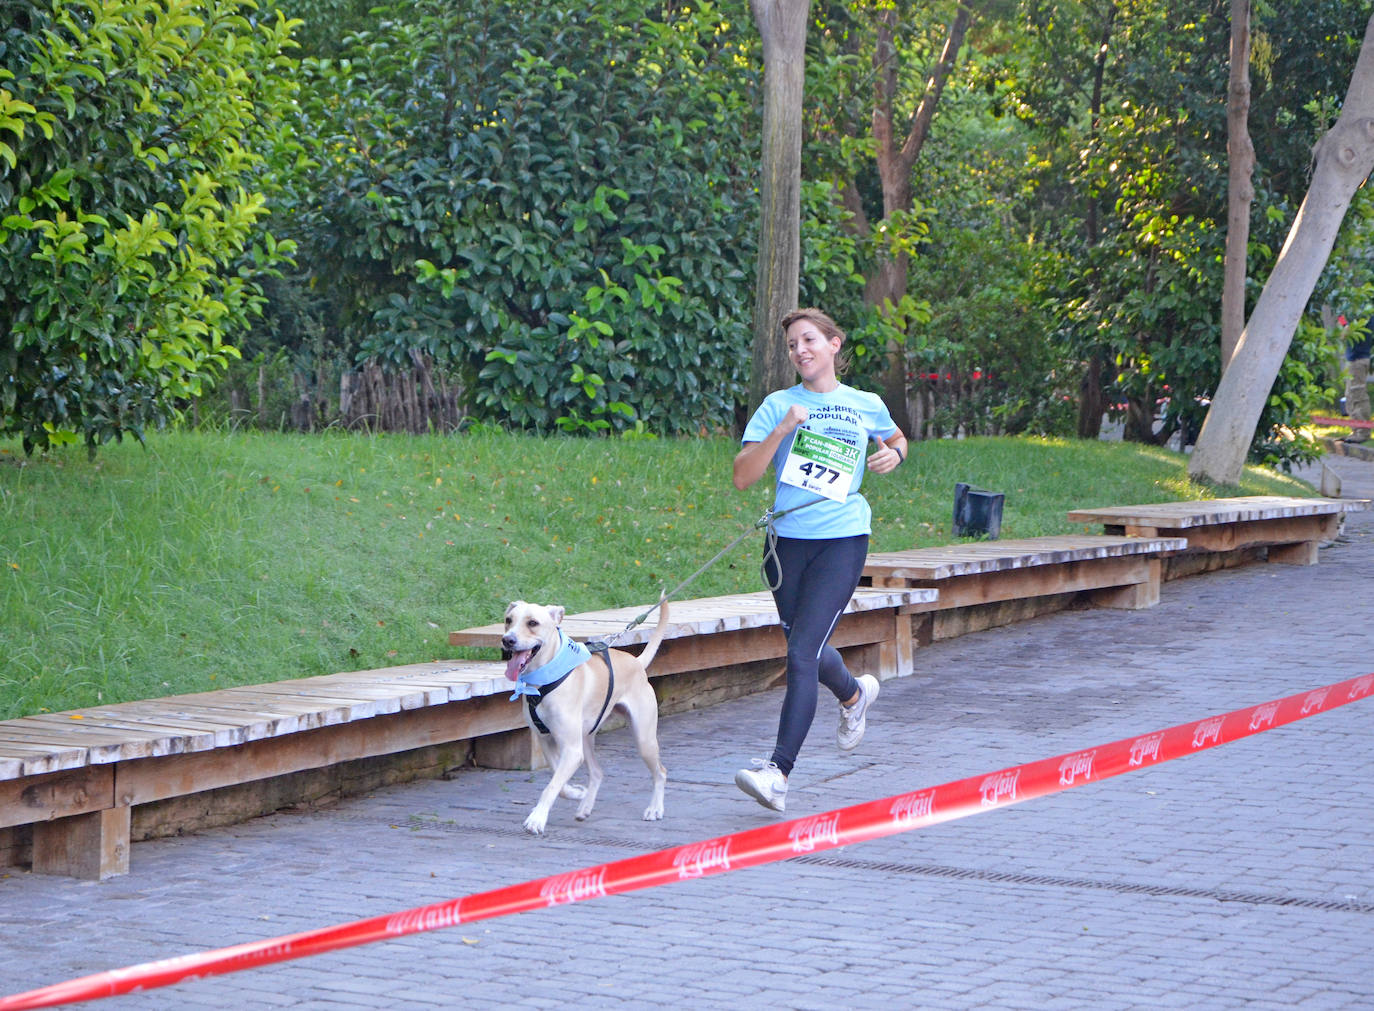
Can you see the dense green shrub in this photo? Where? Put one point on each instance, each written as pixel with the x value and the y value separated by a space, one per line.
pixel 553 203
pixel 127 153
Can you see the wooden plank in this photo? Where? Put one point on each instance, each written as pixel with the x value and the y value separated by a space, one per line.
pixel 408 694
pixel 700 653
pixel 95 750
pixel 102 744
pixel 1054 547
pixel 878 598
pixel 990 587
pixel 91 847
pixel 86 730
pixel 356 704
pixel 704 652
pixel 703 616
pixel 1133 596
pixel 930 564
pixel 1303 553
pixel 251 725
pixel 428 675
pixel 263 714
pixel 1254 533
pixel 901 662
pixel 863 628
pixel 171 737
pixel 1206 512
pixel 151 779
pixel 441 683
pixel 311 714
pixel 56 795
pixel 28 758
pixel 157 713
pixel 392 698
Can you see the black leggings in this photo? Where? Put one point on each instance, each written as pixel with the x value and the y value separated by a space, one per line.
pixel 818 578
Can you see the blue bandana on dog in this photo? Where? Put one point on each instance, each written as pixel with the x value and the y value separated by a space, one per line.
pixel 570 654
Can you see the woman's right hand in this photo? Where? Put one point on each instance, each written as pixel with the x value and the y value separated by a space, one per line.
pixel 794 418
pixel 752 461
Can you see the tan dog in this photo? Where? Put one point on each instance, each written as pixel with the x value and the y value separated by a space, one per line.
pixel 572 711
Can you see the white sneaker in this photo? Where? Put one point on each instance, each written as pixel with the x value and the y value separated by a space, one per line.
pixel 765 783
pixel 853 719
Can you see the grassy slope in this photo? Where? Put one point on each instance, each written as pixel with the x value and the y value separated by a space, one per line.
pixel 208 560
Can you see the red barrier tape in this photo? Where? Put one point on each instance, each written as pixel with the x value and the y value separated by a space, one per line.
pixel 872 820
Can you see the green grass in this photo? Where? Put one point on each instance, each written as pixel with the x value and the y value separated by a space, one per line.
pixel 212 559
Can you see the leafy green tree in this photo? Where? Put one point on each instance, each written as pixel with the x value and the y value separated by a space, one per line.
pixel 553 203
pixel 884 67
pixel 936 212
pixel 1342 163
pixel 1128 101
pixel 984 358
pixel 128 220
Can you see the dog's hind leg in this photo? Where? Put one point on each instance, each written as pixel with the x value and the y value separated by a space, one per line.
pixel 594 777
pixel 641 705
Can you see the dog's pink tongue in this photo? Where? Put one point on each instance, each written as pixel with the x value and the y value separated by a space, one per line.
pixel 516 661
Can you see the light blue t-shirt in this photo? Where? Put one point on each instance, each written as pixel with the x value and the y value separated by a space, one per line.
pixel 849 415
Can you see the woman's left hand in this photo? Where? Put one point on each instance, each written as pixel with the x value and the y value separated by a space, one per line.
pixel 884 460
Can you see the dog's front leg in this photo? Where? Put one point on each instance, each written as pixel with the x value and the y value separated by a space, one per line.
pixel 570 791
pixel 565 763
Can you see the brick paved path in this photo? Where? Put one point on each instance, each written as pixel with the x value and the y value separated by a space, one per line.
pixel 1239 877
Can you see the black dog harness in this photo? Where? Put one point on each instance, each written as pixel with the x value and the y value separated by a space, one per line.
pixel 532 701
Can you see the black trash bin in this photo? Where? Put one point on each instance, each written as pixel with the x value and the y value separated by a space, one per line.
pixel 977 512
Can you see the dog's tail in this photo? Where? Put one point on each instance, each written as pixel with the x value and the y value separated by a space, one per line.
pixel 647 657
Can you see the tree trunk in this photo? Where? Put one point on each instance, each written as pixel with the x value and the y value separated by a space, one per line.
pixel 1092 401
pixel 782 26
pixel 1240 156
pixel 888 283
pixel 1343 159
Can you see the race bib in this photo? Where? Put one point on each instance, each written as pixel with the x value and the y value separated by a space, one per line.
pixel 821 464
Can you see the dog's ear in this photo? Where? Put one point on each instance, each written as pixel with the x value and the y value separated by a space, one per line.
pixel 556 612
pixel 513 605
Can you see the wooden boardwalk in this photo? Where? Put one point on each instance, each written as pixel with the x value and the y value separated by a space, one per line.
pixel 951 560
pixel 987 583
pixel 1289 529
pixel 186 724
pixel 72 779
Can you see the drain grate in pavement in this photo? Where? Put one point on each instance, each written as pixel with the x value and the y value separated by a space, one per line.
pixel 1053 881
pixel 965 873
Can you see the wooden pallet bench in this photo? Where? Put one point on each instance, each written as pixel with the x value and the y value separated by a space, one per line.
pixel 985 583
pixel 1230 531
pixel 742 628
pixel 75 777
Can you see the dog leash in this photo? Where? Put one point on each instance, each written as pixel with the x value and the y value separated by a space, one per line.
pixel 764 522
